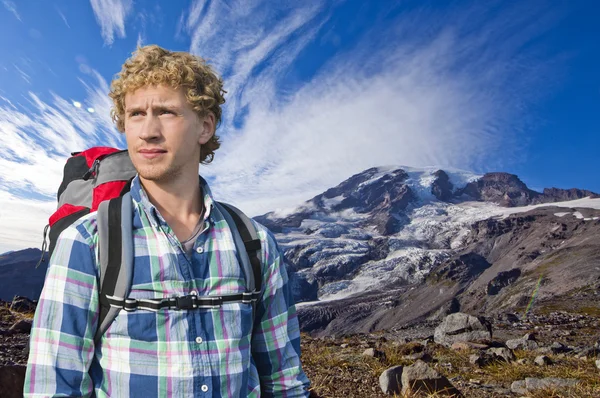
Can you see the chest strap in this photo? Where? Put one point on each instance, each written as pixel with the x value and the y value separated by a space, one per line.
pixel 188 302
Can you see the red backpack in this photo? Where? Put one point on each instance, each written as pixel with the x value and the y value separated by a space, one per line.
pixel 98 179
pixel 90 177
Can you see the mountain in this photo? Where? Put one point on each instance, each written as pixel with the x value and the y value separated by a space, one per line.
pixel 395 245
pixel 19 276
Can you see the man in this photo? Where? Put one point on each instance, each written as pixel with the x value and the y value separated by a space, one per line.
pixel 168 104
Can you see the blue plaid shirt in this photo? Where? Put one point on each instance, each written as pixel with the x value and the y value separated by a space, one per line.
pixel 170 353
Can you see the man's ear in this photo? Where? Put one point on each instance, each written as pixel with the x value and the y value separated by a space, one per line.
pixel 207 124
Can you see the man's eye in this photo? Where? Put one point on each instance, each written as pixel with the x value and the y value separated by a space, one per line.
pixel 135 113
pixel 166 112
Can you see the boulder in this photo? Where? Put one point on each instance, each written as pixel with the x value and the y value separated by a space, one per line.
pixel 559 348
pixel 480 359
pixel 531 384
pixel 463 327
pixel 390 380
pixel 12 379
pixel 419 377
pixel 372 352
pixel 542 360
pixel 521 344
pixel 501 354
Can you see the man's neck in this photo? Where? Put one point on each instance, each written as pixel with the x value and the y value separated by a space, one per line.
pixel 179 201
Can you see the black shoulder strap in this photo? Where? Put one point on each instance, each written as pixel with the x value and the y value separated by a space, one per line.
pixel 115 249
pixel 251 241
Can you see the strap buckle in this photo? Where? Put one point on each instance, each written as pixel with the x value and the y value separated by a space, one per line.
pixel 249 297
pixel 185 302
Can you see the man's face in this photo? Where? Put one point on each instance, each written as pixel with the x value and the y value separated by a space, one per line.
pixel 164 133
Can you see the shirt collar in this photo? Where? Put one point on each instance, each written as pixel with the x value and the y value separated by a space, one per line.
pixel 139 196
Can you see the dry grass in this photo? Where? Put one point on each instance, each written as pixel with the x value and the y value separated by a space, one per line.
pixel 345 372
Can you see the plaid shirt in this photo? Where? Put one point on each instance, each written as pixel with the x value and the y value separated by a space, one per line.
pixel 169 353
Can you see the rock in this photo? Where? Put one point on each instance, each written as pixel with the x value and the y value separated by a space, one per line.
pixel 521 344
pixel 519 387
pixel 532 383
pixel 22 304
pixel 372 352
pixel 530 336
pixel 419 377
pixel 522 361
pixel 390 380
pixel 502 354
pixel 463 327
pixel 467 345
pixel 510 318
pixel 559 348
pixel 598 363
pixel 12 379
pixel 542 360
pixel 345 345
pixel 442 187
pixel 479 359
pixel 22 326
pixel 585 352
pixel 544 351
pixel 502 280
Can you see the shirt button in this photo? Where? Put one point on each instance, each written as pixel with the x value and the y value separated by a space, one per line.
pixel 204 388
pixel 199 250
pixel 199 341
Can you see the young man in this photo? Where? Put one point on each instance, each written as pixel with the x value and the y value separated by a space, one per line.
pixel 168 104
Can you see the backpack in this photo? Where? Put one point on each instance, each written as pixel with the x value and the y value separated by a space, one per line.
pixel 98 179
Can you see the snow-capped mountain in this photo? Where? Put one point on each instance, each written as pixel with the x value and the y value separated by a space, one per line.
pixel 393 245
pixel 388 228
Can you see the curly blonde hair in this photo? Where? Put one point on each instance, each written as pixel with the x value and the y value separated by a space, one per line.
pixel 153 65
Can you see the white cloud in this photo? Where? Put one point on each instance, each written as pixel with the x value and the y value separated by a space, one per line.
pixel 23 221
pixel 62 16
pixel 426 90
pixel 34 147
pixel 11 7
pixel 111 16
pixel 429 90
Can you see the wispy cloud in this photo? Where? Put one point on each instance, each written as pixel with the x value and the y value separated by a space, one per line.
pixel 426 89
pixel 11 7
pixel 35 145
pixel 62 16
pixel 111 15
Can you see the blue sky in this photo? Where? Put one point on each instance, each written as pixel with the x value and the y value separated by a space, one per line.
pixel 317 91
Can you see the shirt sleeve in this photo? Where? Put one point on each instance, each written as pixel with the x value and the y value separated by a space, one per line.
pixel 62 335
pixel 276 337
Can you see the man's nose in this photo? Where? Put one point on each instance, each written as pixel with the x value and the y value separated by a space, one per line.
pixel 151 128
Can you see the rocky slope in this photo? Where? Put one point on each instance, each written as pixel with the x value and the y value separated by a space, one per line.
pixel 391 246
pixel 394 245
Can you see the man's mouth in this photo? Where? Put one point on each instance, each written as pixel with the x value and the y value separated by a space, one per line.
pixel 152 153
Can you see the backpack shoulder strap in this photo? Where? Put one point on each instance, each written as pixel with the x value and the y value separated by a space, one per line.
pixel 251 242
pixel 115 251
